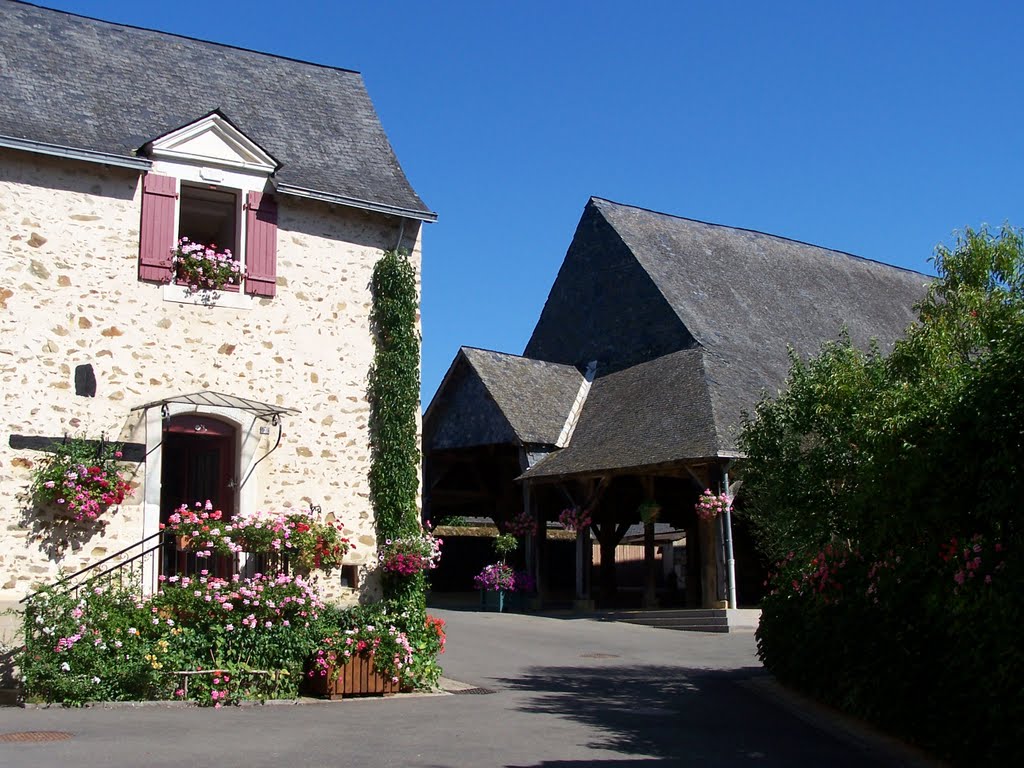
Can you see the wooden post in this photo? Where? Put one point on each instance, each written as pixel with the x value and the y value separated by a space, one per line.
pixel 650 568
pixel 579 564
pixel 531 543
pixel 650 565
pixel 708 532
pixel 542 561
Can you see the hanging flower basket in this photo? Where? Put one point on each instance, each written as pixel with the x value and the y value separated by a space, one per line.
pixel 710 505
pixel 81 479
pixel 649 511
pixel 574 519
pixel 521 524
pixel 409 555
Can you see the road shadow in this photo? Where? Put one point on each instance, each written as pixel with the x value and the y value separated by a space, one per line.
pixel 666 715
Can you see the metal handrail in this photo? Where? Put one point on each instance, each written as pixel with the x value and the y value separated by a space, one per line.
pixel 159 535
pixel 153 545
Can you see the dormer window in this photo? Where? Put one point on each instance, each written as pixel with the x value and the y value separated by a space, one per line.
pixel 208 184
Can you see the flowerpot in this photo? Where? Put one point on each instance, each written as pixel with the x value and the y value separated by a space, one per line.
pixel 357 678
pixel 182 542
pixel 492 600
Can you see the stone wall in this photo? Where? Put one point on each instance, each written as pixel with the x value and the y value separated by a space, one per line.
pixel 69 295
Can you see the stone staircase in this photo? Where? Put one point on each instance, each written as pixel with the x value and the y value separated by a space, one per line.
pixel 691 620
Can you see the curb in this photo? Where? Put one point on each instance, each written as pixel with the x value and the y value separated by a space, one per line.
pixel 302 701
pixel 873 742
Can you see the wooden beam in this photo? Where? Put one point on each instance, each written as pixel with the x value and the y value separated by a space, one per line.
pixel 131 452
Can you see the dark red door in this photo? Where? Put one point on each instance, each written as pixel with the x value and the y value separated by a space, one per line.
pixel 198 466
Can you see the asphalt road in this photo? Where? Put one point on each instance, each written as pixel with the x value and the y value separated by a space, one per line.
pixel 566 692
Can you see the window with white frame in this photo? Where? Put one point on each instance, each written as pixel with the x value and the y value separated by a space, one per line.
pixel 204 204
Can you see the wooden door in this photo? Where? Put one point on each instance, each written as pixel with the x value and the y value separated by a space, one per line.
pixel 198 466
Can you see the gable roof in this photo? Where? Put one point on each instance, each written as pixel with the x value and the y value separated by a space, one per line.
pixel 745 298
pixel 534 397
pixel 104 89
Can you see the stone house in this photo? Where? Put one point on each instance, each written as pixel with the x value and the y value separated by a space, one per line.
pixel 117 141
pixel 658 334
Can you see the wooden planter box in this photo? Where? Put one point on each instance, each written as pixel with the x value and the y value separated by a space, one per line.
pixel 357 678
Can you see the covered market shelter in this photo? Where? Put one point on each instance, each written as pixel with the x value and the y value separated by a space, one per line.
pixel 658 335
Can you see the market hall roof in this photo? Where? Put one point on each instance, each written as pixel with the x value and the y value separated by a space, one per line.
pixel 742 298
pixel 492 397
pixel 74 84
pixel 650 414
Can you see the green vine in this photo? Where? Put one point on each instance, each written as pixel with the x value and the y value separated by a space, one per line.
pixel 393 392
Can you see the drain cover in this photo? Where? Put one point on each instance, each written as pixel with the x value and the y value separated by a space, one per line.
pixel 27 737
pixel 477 691
pixel 599 655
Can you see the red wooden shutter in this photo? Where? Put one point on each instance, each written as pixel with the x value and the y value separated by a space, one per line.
pixel 261 244
pixel 159 199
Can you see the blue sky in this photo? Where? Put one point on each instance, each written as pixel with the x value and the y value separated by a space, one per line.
pixel 876 128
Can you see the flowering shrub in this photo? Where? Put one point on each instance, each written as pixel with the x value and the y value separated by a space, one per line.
pixel 203 267
pixel 709 506
pixel 309 542
pixel 574 519
pixel 238 604
pixel 521 524
pixel 82 477
pixel 211 641
pixel 824 575
pixel 88 648
pixel 435 626
pixel 975 559
pixel 407 555
pixel 496 577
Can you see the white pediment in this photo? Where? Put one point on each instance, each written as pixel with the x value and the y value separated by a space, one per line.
pixel 213 141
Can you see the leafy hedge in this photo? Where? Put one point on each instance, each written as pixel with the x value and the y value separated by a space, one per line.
pixel 888 490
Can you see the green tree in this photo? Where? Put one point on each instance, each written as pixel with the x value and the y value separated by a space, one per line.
pixel 889 489
pixel 874 450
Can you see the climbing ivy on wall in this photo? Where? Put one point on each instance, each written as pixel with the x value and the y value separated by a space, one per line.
pixel 393 392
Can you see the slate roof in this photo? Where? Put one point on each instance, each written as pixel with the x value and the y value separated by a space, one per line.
pixel 535 396
pixel 71 81
pixel 653 413
pixel 745 297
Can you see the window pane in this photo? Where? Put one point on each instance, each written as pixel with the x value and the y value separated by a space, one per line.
pixel 209 216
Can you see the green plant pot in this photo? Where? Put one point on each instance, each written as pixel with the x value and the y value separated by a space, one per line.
pixel 492 600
